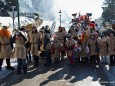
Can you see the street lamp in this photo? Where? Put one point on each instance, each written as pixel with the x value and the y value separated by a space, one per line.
pixel 18 12
pixel 13 15
pixel 60 17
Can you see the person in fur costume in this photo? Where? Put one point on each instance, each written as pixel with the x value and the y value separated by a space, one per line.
pixel 5 47
pixel 103 49
pixel 111 48
pixel 84 53
pixel 70 45
pixel 56 50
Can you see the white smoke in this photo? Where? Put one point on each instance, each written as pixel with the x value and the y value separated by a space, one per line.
pixel 47 9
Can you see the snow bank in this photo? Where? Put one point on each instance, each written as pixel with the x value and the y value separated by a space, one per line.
pixel 7 21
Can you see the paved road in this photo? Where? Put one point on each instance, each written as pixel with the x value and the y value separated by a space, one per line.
pixel 60 75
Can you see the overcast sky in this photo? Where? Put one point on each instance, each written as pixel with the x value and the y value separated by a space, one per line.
pixel 82 6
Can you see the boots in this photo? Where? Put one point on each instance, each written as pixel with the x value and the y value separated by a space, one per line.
pixel 56 61
pixel 62 58
pixel 36 61
pixel 8 65
pixel 28 56
pixel 0 68
pixel 1 61
pixel 25 69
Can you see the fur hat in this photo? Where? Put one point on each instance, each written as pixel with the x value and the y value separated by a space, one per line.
pixel 5 27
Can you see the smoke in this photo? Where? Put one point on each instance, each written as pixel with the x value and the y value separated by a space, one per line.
pixel 44 8
pixel 49 10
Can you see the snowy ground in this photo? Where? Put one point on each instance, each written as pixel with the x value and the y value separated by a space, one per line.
pixel 109 72
pixel 8 21
pixel 5 73
pixel 60 75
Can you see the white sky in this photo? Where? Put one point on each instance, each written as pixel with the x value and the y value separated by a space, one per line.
pixel 82 6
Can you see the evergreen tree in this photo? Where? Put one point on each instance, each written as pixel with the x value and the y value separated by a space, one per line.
pixel 6 6
pixel 109 10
